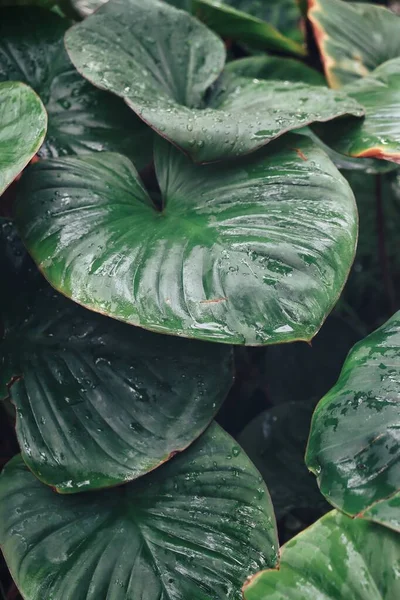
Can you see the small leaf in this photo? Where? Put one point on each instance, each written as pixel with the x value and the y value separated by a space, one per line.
pixel 84 8
pixel 23 124
pixel 353 38
pixel 195 528
pixel 378 135
pixel 276 441
pixel 246 252
pixel 386 512
pixel 275 67
pixel 166 82
pixel 81 118
pixel 255 23
pixel 353 447
pixel 337 558
pixel 99 402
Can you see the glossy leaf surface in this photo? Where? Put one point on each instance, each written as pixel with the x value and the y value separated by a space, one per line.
pixel 195 528
pixel 254 22
pixel 275 441
pixel 378 135
pixel 353 38
pixel 353 447
pixel 248 252
pixel 337 558
pixel 23 123
pixel 165 82
pixel 81 118
pixel 275 67
pixel 99 402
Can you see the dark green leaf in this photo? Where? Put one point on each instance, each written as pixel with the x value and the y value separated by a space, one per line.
pixel 253 252
pixel 354 447
pixel 378 135
pixel 386 512
pixel 99 402
pixel 337 558
pixel 81 118
pixel 254 22
pixel 166 82
pixel 276 441
pixel 275 67
pixel 353 38
pixel 194 529
pixel 23 123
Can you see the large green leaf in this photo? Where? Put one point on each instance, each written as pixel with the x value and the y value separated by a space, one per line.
pixel 353 38
pixel 337 558
pixel 354 441
pixel 166 82
pixel 276 441
pixel 23 123
pixel 378 135
pixel 195 528
pixel 81 118
pixel 253 252
pixel 99 402
pixel 275 67
pixel 254 22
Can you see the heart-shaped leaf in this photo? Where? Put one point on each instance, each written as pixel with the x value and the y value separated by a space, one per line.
pixel 353 447
pixel 81 118
pixel 165 81
pixel 253 252
pixel 275 67
pixel 272 25
pixel 23 123
pixel 337 558
pixel 353 38
pixel 195 528
pixel 276 441
pixel 99 402
pixel 378 135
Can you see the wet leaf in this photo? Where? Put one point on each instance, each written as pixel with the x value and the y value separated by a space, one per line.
pixel 275 67
pixel 353 447
pixel 23 123
pixel 98 402
pixel 81 118
pixel 252 252
pixel 166 82
pixel 195 528
pixel 353 38
pixel 337 558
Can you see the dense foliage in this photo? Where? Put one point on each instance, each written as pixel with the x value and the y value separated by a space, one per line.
pixel 200 215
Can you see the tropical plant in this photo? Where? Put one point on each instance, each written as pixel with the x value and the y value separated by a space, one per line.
pixel 188 220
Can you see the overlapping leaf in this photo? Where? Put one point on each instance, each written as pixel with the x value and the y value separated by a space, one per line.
pixel 99 402
pixel 275 67
pixel 378 135
pixel 354 441
pixel 195 528
pixel 23 124
pixel 353 38
pixel 253 252
pixel 337 558
pixel 164 79
pixel 81 118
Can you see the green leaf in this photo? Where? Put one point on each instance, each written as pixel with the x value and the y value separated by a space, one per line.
pixel 337 558
pixel 255 23
pixel 378 135
pixel 44 3
pixel 275 67
pixel 246 252
pixel 195 528
pixel 386 512
pixel 353 39
pixel 23 123
pixel 81 118
pixel 353 447
pixel 276 441
pixel 99 402
pixel 165 83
